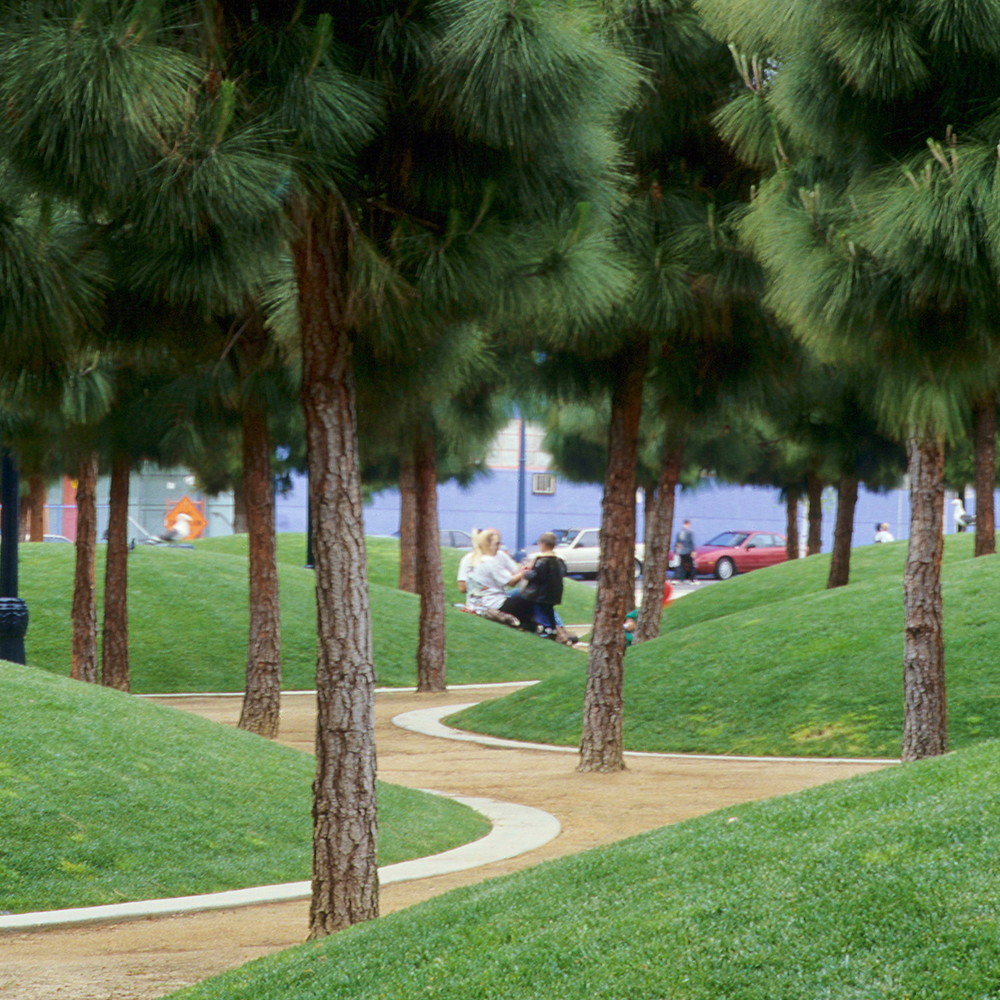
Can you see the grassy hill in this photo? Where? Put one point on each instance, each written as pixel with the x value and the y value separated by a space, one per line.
pixel 188 619
pixel 772 663
pixel 106 798
pixel 885 885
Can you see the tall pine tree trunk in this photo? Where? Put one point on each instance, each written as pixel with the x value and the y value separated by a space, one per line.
pixel 261 712
pixel 814 542
pixel 430 580
pixel 659 531
pixel 791 524
pixel 601 746
pixel 84 613
pixel 840 560
pixel 407 519
pixel 985 416
pixel 36 507
pixel 114 634
pixel 649 501
pixel 345 873
pixel 925 723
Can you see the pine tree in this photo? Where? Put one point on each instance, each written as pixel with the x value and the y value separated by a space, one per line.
pixel 421 162
pixel 873 229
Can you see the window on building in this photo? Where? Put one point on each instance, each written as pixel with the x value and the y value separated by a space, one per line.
pixel 543 482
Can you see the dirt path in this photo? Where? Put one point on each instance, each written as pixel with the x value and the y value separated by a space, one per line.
pixel 144 959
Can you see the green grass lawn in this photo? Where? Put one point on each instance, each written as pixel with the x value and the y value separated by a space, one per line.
pixel 188 619
pixel 885 885
pixel 106 798
pixel 772 663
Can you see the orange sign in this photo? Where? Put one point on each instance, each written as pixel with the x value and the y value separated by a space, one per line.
pixel 193 511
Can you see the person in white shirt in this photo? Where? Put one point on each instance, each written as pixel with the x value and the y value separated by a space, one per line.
pixel 882 533
pixel 491 572
pixel 463 573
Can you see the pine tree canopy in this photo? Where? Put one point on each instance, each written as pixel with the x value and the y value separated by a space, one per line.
pixel 51 283
pixel 876 227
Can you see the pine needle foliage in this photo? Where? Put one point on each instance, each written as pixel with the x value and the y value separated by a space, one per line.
pixel 878 239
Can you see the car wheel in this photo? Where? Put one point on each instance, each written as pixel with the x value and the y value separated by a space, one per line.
pixel 724 569
pixel 638 569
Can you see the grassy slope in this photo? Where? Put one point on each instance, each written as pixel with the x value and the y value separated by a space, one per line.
pixel 188 619
pixel 773 663
pixel 881 886
pixel 106 798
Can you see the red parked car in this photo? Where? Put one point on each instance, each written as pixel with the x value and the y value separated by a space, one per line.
pixel 735 552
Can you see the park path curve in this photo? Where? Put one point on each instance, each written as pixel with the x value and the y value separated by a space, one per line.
pixel 143 959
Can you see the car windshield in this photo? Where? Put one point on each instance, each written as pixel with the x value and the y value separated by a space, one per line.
pixel 568 537
pixel 729 539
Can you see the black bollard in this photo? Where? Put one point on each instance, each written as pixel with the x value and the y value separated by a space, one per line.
pixel 13 611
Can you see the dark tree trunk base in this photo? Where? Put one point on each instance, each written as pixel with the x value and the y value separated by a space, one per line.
pixel 601 747
pixel 985 433
pixel 430 582
pixel 659 531
pixel 840 560
pixel 408 544
pixel 84 653
pixel 36 508
pixel 261 713
pixel 115 671
pixel 792 524
pixel 925 723
pixel 814 541
pixel 345 826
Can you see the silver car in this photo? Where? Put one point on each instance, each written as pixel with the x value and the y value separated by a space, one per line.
pixel 580 551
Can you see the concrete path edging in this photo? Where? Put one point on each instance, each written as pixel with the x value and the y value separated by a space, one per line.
pixel 516 830
pixel 427 722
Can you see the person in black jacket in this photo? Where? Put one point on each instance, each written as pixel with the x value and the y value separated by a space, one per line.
pixel 545 584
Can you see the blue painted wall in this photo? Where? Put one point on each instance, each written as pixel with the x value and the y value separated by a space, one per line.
pixel 713 507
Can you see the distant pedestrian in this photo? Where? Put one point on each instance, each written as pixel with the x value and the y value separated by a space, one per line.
pixel 882 533
pixel 684 549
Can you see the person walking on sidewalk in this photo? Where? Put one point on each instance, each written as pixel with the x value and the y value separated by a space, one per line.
pixel 684 549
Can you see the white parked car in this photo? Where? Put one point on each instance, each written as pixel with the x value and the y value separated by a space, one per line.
pixel 580 551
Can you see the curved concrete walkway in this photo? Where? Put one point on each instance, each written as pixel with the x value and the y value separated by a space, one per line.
pixel 144 959
pixel 516 829
pixel 428 722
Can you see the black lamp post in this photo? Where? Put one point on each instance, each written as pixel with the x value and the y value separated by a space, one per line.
pixel 13 611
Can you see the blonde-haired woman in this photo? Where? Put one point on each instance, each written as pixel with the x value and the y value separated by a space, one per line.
pixel 491 572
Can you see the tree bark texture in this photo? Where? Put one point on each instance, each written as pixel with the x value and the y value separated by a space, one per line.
pixel 115 671
pixel 814 542
pixel 792 524
pixel 840 559
pixel 36 508
pixel 430 578
pixel 650 496
pixel 659 531
pixel 925 723
pixel 407 520
pixel 345 875
pixel 84 652
pixel 601 746
pixel 261 712
pixel 986 453
pixel 23 517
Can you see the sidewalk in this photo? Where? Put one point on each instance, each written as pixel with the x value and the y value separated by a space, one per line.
pixel 143 959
